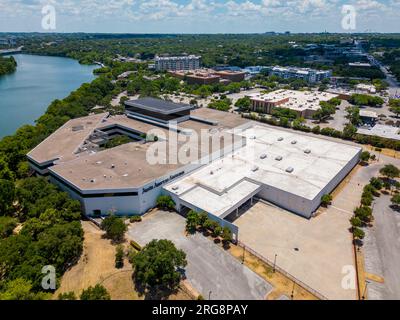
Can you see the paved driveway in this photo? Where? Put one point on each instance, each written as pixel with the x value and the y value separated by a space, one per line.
pixel 209 267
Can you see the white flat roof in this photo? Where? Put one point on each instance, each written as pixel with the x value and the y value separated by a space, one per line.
pixel 220 204
pixel 381 130
pixel 271 157
pixel 298 100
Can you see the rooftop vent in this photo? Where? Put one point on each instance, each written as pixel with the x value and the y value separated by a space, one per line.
pixel 263 156
pixel 175 188
pixel 112 166
pixel 77 128
pixel 252 137
pixel 92 180
pixel 307 151
pixel 294 142
pixel 279 158
pixel 289 170
pixel 280 139
pixel 254 169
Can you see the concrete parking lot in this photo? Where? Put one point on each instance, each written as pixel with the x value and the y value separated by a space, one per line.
pixel 209 267
pixel 315 251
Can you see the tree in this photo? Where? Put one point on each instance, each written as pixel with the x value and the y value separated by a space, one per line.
pixel 157 265
pixel 390 171
pixel 226 235
pixel 192 221
pixel 356 222
pixel 353 115
pixel 7 225
pixel 243 103
pixel 324 112
pixel 364 213
pixel 165 202
pixel 376 183
pixel 394 106
pixel 67 296
pixel 326 199
pixel 395 200
pixel 21 289
pixel 349 131
pixel 7 195
pixel 358 233
pixel 365 156
pixel 217 231
pixel 114 227
pixel 98 292
pixel 119 257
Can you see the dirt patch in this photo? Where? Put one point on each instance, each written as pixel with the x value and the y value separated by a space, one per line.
pixel 282 285
pixel 96 265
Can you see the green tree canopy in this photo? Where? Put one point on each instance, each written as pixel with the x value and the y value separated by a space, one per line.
pixel 157 264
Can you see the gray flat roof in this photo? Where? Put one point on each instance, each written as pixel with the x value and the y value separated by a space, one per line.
pixel 158 105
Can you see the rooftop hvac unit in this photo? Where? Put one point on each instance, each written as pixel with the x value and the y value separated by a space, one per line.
pixel 307 151
pixel 263 156
pixel 175 188
pixel 279 158
pixel 112 166
pixel 252 137
pixel 294 142
pixel 92 180
pixel 280 139
pixel 289 170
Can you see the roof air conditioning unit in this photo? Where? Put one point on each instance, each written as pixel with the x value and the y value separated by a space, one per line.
pixel 280 139
pixel 294 142
pixel 279 158
pixel 307 151
pixel 263 156
pixel 289 170
pixel 254 169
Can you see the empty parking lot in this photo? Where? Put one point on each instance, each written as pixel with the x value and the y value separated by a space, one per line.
pixel 209 267
pixel 314 251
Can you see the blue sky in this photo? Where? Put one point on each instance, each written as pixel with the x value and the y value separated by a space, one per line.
pixel 200 16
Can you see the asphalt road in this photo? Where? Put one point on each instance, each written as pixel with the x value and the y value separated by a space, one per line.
pixel 382 251
pixel 209 267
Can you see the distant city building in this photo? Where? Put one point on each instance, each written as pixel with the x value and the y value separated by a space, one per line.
pixel 191 62
pixel 369 88
pixel 360 64
pixel 304 103
pixel 254 70
pixel 209 76
pixel 7 42
pixel 307 74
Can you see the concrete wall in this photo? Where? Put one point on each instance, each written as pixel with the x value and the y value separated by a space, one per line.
pixel 286 200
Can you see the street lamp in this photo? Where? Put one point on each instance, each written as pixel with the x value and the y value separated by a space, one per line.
pixel 292 295
pixel 365 289
pixel 275 261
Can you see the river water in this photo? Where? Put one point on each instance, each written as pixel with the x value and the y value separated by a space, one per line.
pixel 26 94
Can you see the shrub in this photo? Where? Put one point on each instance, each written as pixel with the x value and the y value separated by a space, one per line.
pixel 364 213
pixel 114 227
pixel 97 292
pixel 365 156
pixel 67 296
pixel 356 222
pixel 192 221
pixel 7 225
pixel 165 202
pixel 227 234
pixel 134 219
pixel 326 199
pixel 119 257
pixel 217 231
pixel 376 183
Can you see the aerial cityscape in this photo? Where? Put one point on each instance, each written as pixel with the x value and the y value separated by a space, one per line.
pixel 171 162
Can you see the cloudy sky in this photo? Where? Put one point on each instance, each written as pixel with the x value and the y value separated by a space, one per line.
pixel 199 16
